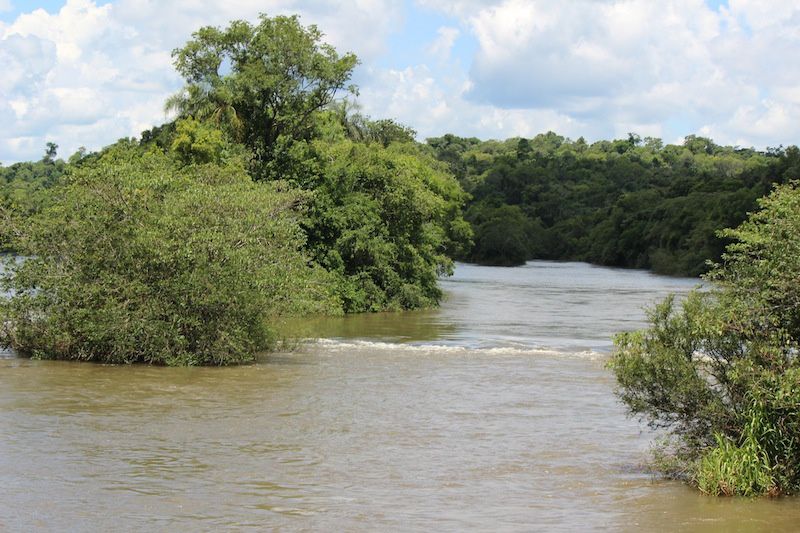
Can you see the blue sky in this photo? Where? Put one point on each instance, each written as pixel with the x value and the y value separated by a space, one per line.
pixel 85 73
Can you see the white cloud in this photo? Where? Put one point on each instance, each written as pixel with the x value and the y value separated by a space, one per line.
pixel 536 54
pixel 445 39
pixel 615 65
pixel 6 5
pixel 457 8
pixel 434 106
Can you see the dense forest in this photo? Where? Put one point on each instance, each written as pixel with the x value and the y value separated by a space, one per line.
pixel 629 202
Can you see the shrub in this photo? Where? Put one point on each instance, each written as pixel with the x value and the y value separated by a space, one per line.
pixel 140 260
pixel 743 470
pixel 722 372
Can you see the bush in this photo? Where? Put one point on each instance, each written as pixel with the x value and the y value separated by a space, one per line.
pixel 731 470
pixel 140 260
pixel 722 372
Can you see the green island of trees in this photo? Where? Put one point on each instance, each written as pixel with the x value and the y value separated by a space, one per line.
pixel 264 198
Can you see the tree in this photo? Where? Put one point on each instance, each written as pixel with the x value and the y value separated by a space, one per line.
pixel 142 260
pixel 360 128
pixel 503 235
pixel 383 221
pixel 721 373
pixel 262 83
pixel 50 153
pixel 25 190
pixel 197 143
pixel 629 202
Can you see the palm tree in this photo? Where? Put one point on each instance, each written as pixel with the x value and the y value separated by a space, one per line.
pixel 207 102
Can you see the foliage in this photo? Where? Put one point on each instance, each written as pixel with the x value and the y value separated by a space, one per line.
pixel 722 372
pixel 194 142
pixel 24 189
pixel 138 259
pixel 629 202
pixel 262 84
pixel 502 235
pixel 383 220
pixel 383 216
pixel 361 128
pixel 731 470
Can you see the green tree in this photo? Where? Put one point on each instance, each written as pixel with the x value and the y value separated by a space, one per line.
pixel 722 372
pixel 196 143
pixel 264 84
pixel 384 221
pixel 503 235
pixel 51 152
pixel 141 260
pixel 25 190
pixel 629 202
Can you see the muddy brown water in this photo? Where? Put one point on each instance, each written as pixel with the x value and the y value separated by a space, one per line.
pixel 493 413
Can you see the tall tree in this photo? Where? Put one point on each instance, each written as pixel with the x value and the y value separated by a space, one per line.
pixel 262 83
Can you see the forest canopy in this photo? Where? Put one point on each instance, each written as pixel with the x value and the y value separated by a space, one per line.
pixel 632 202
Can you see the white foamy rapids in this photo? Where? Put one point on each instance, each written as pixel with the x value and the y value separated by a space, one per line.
pixel 367 346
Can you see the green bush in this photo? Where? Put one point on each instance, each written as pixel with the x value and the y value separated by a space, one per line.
pixel 721 372
pixel 743 470
pixel 141 260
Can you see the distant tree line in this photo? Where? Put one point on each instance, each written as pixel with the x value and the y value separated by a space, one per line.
pixel 629 202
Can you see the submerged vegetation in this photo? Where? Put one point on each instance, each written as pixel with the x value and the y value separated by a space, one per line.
pixel 721 372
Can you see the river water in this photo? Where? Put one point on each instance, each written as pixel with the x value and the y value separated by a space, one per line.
pixel 493 413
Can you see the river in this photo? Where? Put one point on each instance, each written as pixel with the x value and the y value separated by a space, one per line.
pixel 493 413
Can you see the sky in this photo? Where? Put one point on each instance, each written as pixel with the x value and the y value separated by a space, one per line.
pixel 84 73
